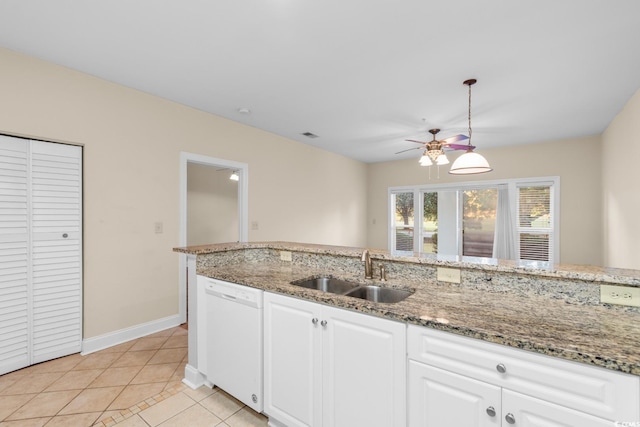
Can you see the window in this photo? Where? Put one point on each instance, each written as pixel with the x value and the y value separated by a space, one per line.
pixel 402 225
pixel 512 219
pixel 535 222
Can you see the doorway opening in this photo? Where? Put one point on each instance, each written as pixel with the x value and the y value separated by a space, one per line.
pixel 213 197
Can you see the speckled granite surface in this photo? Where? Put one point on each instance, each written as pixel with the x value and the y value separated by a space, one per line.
pixel 557 314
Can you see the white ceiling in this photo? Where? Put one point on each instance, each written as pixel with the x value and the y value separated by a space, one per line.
pixel 363 75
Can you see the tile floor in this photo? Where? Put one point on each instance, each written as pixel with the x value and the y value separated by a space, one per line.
pixel 134 384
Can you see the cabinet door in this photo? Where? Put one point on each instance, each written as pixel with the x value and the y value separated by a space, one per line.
pixel 440 398
pixel 292 360
pixel 14 255
pixel 527 411
pixel 364 360
pixel 56 230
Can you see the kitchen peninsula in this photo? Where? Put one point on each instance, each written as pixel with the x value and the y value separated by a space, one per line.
pixel 554 312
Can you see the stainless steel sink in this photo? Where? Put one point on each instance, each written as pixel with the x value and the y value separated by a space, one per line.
pixel 379 294
pixel 326 284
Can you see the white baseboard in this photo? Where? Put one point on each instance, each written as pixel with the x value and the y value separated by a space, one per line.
pixel 100 342
pixel 193 378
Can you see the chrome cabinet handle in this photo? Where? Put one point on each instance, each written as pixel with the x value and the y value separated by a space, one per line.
pixel 510 418
pixel 501 368
pixel 491 411
pixel 323 323
pixel 65 235
pixel 314 320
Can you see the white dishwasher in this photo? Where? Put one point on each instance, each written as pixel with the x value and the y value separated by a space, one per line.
pixel 234 340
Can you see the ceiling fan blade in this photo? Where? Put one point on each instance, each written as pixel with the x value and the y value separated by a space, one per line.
pixel 455 138
pixel 419 142
pixel 409 149
pixel 461 146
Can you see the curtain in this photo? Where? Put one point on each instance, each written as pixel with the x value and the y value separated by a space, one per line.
pixel 504 242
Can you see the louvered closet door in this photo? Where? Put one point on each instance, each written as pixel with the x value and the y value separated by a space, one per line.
pixel 14 266
pixel 56 234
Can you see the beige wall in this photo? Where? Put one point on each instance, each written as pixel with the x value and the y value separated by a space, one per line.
pixel 131 144
pixel 212 205
pixel 575 161
pixel 621 197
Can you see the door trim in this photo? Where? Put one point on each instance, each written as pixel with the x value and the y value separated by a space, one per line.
pixel 243 212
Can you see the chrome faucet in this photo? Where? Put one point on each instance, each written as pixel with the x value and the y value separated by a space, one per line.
pixel 368 266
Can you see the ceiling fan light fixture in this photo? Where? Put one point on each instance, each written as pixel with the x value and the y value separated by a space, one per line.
pixel 234 176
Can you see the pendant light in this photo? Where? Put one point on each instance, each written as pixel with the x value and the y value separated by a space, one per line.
pixel 470 162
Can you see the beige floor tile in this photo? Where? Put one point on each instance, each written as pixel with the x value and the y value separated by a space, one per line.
pixel 115 376
pixel 172 384
pixel 6 381
pixel 176 341
pixel 245 417
pixel 10 404
pixel 107 414
pixel 77 420
pixel 135 421
pixel 62 364
pixel 178 374
pixel 92 400
pixel 44 405
pixel 199 393
pixel 75 380
pixel 98 361
pixel 32 422
pixel 125 346
pixel 221 404
pixel 33 383
pixel 134 358
pixel 155 373
pixel 166 409
pixel 149 343
pixel 196 415
pixel 166 333
pixel 168 355
pixel 133 394
pixel 180 331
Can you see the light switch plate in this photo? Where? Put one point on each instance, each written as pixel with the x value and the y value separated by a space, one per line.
pixel 451 275
pixel 285 256
pixel 621 295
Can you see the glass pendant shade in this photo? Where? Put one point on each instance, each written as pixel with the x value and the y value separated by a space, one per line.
pixel 442 160
pixel 470 163
pixel 425 160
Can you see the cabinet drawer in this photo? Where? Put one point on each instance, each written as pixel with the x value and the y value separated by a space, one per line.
pixel 597 391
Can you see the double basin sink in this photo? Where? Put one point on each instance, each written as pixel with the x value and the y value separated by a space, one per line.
pixel 351 289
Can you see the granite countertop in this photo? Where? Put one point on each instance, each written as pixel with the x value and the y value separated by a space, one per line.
pixel 589 273
pixel 597 335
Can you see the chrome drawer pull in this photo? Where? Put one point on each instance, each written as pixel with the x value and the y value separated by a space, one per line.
pixel 510 418
pixel 323 323
pixel 314 320
pixel 491 411
pixel 501 368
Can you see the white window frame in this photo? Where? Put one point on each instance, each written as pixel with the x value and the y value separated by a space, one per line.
pixel 555 220
pixel 512 185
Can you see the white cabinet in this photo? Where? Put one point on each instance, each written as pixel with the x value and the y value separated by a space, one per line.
pixel 40 251
pixel 326 366
pixel 438 398
pixel 467 380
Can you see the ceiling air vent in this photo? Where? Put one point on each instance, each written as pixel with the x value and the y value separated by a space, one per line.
pixel 310 135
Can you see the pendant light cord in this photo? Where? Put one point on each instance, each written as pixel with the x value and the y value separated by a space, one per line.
pixel 469 142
